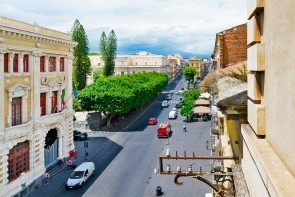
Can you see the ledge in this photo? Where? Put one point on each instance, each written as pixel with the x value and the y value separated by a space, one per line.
pixel 276 178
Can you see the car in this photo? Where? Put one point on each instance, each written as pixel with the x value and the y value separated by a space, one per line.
pixel 172 115
pixel 175 109
pixel 178 105
pixel 165 103
pixel 79 136
pixel 182 88
pixel 168 97
pixel 179 92
pixel 152 121
pixel 80 175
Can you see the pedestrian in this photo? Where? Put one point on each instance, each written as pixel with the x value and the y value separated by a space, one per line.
pixel 46 177
pixel 184 128
pixel 69 164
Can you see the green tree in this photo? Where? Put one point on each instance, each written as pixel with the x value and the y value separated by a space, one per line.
pixel 189 98
pixel 119 94
pixel 108 50
pixel 189 73
pixel 96 75
pixel 81 62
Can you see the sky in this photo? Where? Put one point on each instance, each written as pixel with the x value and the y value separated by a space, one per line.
pixel 187 27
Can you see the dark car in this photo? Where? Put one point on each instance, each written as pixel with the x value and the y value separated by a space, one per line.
pixel 178 105
pixel 78 135
pixel 168 97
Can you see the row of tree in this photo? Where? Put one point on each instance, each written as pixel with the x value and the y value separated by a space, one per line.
pixel 120 94
pixel 81 62
pixel 188 100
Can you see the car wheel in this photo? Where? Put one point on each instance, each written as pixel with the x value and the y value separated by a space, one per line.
pixel 82 184
pixel 93 172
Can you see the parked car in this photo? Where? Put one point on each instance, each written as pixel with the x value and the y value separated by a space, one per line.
pixel 179 92
pixel 80 175
pixel 79 136
pixel 175 109
pixel 165 103
pixel 168 97
pixel 152 121
pixel 178 105
pixel 172 115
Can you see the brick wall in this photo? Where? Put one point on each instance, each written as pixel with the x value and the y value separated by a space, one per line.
pixel 233 45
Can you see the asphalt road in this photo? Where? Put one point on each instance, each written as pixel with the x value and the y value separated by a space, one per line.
pixel 125 161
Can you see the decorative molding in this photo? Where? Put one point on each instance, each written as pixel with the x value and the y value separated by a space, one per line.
pixel 1 39
pixel 18 90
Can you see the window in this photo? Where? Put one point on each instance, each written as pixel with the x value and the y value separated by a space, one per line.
pixel 54 102
pixel 18 160
pixel 52 64
pixel 16 111
pixel 42 64
pixel 43 104
pixel 122 73
pixel 6 62
pixel 26 63
pixel 145 63
pixel 15 63
pixel 62 64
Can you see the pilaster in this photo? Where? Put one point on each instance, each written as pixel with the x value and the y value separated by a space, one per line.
pixel 2 51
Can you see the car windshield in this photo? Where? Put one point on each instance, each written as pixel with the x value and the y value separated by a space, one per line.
pixel 77 175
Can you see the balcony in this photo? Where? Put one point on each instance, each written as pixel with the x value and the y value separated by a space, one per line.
pixel 253 31
pixel 256 57
pixel 254 91
pixel 254 6
pixel 256 117
pixel 54 118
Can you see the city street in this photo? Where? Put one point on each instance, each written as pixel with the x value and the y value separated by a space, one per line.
pixel 126 161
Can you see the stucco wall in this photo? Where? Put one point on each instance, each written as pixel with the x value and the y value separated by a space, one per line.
pixel 279 78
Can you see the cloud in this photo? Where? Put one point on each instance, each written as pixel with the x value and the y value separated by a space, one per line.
pixel 158 26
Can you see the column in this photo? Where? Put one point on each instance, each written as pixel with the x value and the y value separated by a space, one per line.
pixel 57 63
pixel 20 62
pixel 10 70
pixel 69 87
pixel 46 63
pixel 2 122
pixel 35 70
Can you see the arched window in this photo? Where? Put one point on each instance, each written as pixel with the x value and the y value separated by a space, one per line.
pixel 18 160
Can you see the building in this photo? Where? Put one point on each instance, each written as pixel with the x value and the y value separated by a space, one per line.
pixel 140 62
pixel 197 64
pixel 268 160
pixel 36 116
pixel 230 47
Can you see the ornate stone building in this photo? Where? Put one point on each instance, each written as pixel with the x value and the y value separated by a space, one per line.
pixel 36 116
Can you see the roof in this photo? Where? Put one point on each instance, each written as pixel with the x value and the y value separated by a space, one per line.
pixel 201 110
pixel 164 125
pixel 84 166
pixel 202 102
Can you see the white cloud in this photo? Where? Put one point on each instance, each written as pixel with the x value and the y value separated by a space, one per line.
pixel 187 25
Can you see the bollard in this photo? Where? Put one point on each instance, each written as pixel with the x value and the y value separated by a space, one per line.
pixel 159 191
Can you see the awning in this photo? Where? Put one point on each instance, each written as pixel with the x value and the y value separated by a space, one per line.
pixel 202 102
pixel 201 110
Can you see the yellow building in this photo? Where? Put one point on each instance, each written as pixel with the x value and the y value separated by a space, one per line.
pixel 268 150
pixel 197 63
pixel 36 116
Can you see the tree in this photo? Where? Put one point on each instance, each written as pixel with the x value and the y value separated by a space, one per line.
pixel 189 73
pixel 117 95
pixel 189 98
pixel 108 48
pixel 81 62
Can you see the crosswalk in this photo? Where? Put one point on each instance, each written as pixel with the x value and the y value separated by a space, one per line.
pixel 169 101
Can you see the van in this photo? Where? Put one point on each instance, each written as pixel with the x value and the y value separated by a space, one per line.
pixel 80 175
pixel 172 115
pixel 164 130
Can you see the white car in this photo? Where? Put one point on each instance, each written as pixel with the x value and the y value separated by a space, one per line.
pixel 168 97
pixel 172 115
pixel 165 103
pixel 175 109
pixel 80 175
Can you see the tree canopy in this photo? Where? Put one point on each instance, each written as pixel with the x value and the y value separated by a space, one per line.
pixel 122 93
pixel 188 100
pixel 108 50
pixel 81 62
pixel 189 73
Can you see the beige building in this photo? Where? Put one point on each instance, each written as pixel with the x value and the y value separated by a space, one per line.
pixel 268 160
pixel 197 63
pixel 36 116
pixel 140 62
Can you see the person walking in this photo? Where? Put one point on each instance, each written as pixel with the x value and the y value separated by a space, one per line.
pixel 46 177
pixel 184 128
pixel 69 164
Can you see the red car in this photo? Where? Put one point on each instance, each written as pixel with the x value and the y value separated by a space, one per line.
pixel 152 121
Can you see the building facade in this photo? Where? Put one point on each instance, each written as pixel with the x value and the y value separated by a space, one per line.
pixel 230 47
pixel 268 160
pixel 36 116
pixel 141 62
pixel 197 64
